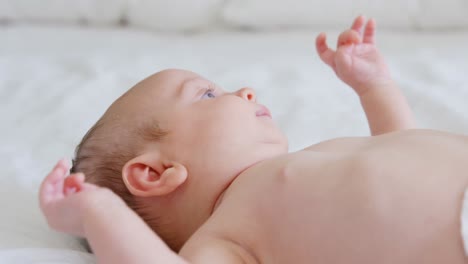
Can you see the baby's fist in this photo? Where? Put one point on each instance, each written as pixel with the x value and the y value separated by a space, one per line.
pixel 356 60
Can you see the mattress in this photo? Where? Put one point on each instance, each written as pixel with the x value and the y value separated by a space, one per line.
pixel 55 82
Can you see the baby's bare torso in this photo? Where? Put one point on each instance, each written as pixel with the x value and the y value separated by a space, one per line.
pixel 394 198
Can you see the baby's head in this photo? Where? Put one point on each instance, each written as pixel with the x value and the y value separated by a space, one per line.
pixel 172 144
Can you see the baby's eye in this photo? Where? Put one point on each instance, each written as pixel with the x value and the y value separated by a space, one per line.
pixel 209 93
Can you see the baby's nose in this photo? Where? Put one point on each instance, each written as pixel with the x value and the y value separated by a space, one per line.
pixel 247 94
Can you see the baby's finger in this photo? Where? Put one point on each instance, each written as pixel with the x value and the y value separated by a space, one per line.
pixel 58 172
pixel 69 190
pixel 348 37
pixel 325 53
pixel 73 182
pixel 47 188
pixel 83 187
pixel 369 32
pixel 358 24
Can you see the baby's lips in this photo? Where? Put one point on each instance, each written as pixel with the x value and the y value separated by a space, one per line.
pixel 263 111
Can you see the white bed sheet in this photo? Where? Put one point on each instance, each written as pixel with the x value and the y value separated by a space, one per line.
pixel 56 81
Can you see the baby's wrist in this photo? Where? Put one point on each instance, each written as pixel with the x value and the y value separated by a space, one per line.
pixel 378 90
pixel 375 85
pixel 103 204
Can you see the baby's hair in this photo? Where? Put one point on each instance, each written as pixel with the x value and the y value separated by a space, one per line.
pixel 103 152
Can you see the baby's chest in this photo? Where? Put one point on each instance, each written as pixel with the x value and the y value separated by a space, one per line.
pixel 284 182
pixel 312 203
pixel 281 198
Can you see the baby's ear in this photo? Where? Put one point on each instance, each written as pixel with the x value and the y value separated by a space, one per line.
pixel 146 175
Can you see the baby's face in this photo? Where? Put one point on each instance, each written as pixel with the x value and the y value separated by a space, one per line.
pixel 215 134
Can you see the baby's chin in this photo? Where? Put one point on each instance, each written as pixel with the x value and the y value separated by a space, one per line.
pixel 279 143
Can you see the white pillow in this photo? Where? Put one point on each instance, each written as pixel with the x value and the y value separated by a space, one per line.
pixel 173 14
pixel 69 11
pixel 319 13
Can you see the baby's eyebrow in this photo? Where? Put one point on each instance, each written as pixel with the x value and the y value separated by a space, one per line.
pixel 184 88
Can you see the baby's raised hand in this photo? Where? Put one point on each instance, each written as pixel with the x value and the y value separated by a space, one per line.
pixel 64 200
pixel 356 60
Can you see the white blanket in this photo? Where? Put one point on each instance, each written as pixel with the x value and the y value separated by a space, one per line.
pixel 55 82
pixel 45 256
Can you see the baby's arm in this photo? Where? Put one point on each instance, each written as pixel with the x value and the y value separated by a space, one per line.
pixel 118 235
pixel 386 109
pixel 358 63
pixel 115 232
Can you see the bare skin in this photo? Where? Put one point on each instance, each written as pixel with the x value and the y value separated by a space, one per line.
pixel 394 197
pixel 350 200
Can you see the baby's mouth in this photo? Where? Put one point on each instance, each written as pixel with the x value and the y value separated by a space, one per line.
pixel 263 111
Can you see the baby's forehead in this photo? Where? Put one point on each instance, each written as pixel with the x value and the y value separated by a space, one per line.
pixel 158 89
pixel 171 81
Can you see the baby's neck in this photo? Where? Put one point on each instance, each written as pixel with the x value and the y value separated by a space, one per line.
pixel 219 199
pixel 221 195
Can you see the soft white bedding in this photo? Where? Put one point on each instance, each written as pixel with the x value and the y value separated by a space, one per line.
pixel 56 81
pixel 45 256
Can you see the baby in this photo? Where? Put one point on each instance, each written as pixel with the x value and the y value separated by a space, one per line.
pixel 209 172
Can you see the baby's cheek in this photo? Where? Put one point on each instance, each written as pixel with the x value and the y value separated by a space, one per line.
pixel 231 115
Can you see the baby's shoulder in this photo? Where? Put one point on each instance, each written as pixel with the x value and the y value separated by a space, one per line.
pixel 280 164
pixel 209 248
pixel 341 144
